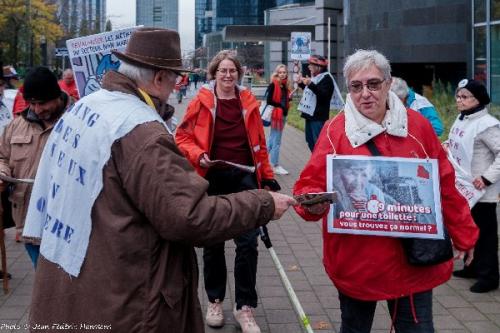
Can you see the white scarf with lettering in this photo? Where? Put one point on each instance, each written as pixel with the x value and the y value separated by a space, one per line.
pixel 70 173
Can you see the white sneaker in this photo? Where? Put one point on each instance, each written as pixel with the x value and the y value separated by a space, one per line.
pixel 244 317
pixel 215 315
pixel 279 170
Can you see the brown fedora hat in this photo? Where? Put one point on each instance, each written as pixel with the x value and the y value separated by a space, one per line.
pixel 155 48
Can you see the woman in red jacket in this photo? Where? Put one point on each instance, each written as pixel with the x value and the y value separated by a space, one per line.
pixel 367 268
pixel 223 123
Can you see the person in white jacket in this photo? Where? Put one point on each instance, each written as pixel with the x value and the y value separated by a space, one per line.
pixel 474 142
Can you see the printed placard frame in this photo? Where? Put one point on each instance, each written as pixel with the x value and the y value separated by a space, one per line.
pixel 433 198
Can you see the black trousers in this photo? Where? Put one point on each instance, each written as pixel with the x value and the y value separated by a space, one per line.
pixel 357 315
pixel 485 263
pixel 227 181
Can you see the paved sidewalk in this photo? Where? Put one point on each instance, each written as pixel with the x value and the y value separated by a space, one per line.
pixel 299 247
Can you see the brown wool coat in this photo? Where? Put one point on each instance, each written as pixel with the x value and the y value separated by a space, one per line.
pixel 140 272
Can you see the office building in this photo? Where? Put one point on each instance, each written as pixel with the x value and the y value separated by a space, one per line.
pixel 82 17
pixel 158 13
pixel 486 45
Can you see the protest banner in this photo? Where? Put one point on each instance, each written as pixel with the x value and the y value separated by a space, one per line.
pixel 385 196
pixel 90 57
pixel 301 45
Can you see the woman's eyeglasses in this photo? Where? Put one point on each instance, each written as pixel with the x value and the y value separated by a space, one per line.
pixel 463 97
pixel 372 85
pixel 224 71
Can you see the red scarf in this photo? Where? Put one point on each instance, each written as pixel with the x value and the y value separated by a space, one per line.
pixel 277 116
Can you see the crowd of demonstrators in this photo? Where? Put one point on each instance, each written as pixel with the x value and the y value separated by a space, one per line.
pixel 68 84
pixel 223 123
pixel 126 261
pixel 418 103
pixel 374 113
pixel 321 85
pixel 278 95
pixel 23 140
pixel 474 142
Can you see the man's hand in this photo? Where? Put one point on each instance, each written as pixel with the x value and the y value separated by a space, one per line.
pixel 281 204
pixel 461 255
pixel 306 80
pixel 478 183
pixel 3 185
pixel 317 209
pixel 205 161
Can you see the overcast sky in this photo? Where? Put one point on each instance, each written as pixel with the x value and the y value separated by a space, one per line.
pixel 122 14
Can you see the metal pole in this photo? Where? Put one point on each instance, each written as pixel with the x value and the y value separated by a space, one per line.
pixel 329 44
pixel 264 236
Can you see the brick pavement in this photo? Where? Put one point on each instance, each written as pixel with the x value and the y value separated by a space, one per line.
pixel 299 247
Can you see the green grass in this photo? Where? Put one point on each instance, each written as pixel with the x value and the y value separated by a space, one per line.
pixel 443 99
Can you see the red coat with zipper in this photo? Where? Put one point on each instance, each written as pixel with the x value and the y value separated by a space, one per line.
pixel 195 133
pixel 374 267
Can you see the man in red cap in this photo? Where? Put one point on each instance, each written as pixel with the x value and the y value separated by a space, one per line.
pixel 315 102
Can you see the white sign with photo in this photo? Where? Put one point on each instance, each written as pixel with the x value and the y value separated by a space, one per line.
pixel 385 196
pixel 301 45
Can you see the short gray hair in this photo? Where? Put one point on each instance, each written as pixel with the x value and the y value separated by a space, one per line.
pixel 363 59
pixel 136 73
pixel 399 87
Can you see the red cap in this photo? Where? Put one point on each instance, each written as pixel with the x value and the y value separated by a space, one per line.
pixel 316 60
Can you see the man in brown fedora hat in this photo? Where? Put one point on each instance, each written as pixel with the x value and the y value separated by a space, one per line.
pixel 118 208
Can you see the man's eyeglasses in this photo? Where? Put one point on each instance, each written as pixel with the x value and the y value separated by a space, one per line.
pixel 463 97
pixel 372 85
pixel 224 71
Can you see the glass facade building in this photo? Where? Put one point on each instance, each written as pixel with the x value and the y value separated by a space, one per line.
pixel 214 15
pixel 486 45
pixel 158 13
pixel 82 17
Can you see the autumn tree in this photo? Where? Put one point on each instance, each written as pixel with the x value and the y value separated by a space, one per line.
pixel 24 23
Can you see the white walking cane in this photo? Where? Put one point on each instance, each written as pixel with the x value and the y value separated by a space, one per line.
pixel 264 236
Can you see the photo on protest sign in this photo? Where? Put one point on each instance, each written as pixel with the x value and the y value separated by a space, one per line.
pixel 385 196
pixel 301 45
pixel 91 57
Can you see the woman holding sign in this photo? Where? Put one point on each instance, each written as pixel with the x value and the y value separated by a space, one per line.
pixel 222 129
pixel 474 143
pixel 367 268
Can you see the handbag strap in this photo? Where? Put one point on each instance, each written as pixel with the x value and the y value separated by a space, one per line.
pixel 372 148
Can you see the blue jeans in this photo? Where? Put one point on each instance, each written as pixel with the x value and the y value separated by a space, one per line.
pixel 274 144
pixel 313 128
pixel 33 252
pixel 357 315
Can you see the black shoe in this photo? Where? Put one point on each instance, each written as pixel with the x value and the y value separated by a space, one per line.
pixel 464 273
pixel 2 275
pixel 481 287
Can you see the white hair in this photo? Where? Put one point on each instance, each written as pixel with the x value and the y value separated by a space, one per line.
pixel 399 87
pixel 363 59
pixel 136 73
